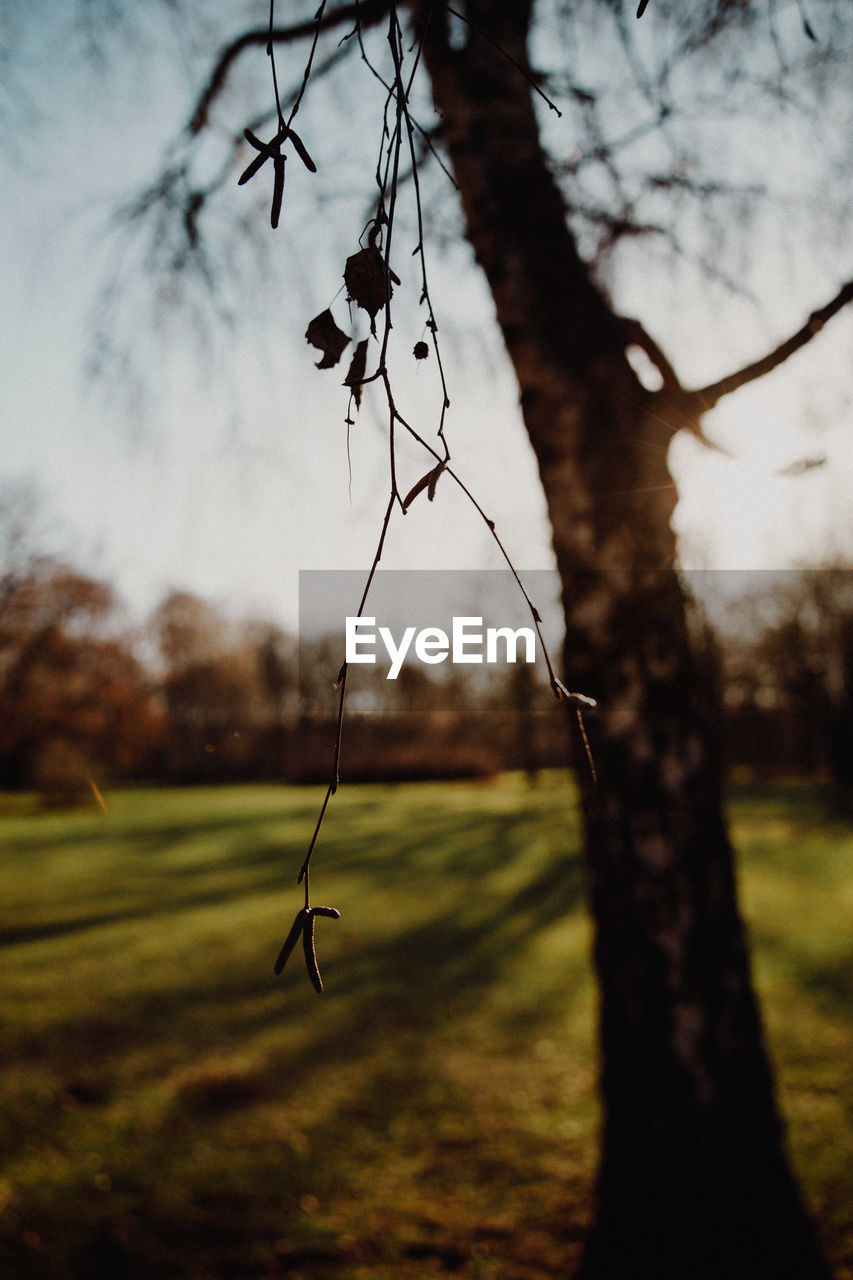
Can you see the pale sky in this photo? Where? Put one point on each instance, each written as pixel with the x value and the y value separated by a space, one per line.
pixel 227 475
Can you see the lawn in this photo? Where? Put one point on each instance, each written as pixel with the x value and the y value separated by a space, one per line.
pixel 171 1109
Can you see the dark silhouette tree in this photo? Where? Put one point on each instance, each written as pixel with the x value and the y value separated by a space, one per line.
pixel 693 1176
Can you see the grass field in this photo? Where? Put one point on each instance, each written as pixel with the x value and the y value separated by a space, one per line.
pixel 168 1108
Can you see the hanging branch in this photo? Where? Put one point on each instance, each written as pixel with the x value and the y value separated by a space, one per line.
pixel 370 279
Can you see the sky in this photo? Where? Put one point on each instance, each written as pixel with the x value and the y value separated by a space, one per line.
pixel 218 463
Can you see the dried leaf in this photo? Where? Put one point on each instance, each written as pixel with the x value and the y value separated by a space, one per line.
pixel 356 371
pixel 324 334
pixel 368 282
pixel 429 481
pixel 415 490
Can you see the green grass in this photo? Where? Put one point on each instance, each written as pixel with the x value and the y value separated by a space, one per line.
pixel 171 1109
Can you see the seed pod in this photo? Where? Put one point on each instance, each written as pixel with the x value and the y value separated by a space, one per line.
pixel 299 147
pixel 433 480
pixel 278 190
pixel 291 940
pixel 265 149
pixel 310 953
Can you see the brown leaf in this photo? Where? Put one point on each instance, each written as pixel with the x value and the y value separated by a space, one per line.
pixel 366 278
pixel 355 373
pixel 428 482
pixel 416 488
pixel 323 333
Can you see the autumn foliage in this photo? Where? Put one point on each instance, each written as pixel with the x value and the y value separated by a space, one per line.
pixel 77 702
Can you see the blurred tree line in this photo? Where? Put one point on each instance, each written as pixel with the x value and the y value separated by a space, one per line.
pixel 787 674
pixel 195 696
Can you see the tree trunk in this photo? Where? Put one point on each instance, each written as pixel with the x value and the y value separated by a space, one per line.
pixel 693 1178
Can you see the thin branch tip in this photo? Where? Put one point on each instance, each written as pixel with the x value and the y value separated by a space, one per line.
pixel 706 397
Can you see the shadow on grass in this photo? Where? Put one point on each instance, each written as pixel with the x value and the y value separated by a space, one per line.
pixel 51 930
pixel 195 1182
pixel 415 973
pixel 829 982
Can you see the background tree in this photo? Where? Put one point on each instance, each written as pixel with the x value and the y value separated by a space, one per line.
pixel 820 625
pixel 225 687
pixel 78 706
pixel 693 1175
pixel 788 671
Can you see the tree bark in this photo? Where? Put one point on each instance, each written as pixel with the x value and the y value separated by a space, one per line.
pixel 693 1176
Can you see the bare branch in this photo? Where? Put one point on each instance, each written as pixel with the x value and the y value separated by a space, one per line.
pixel 367 12
pixel 706 397
pixel 527 76
pixel 677 408
pixel 637 335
